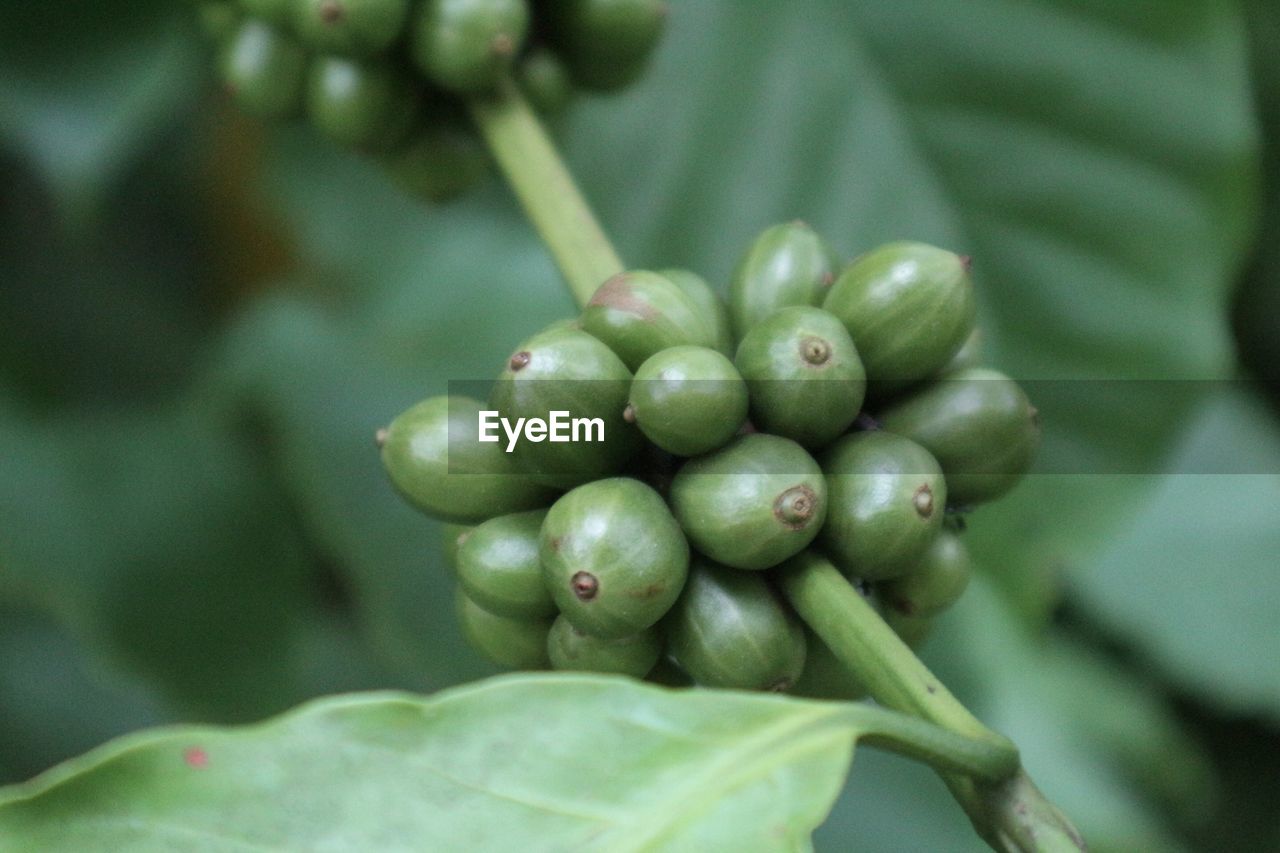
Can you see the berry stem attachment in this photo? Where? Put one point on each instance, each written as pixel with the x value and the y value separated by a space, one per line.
pixel 1006 808
pixel 547 191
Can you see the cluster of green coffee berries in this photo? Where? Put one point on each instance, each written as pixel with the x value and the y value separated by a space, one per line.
pixel 389 78
pixel 823 411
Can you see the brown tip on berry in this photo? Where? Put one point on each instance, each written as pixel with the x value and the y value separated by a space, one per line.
pixel 828 279
pixel 584 585
pixel 331 12
pixel 380 438
pixel 966 261
pixel 782 685
pixel 1034 414
pixel 520 361
pixel 923 501
pixel 815 351
pixel 629 414
pixel 796 506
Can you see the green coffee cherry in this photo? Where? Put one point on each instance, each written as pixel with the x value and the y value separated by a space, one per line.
pixel 713 308
pixel 441 161
pixel 365 105
pixel 639 314
pixel 219 19
pixel 451 538
pixel 350 27
pixel 688 400
pixel 277 12
pixel 912 630
pixel 969 354
pixel 566 370
pixel 607 42
pixel 668 673
pixel 466 46
pixel 752 504
pixel 500 570
pixel 614 558
pixel 513 643
pixel 825 676
pixel 571 649
pixel 729 629
pixel 264 70
pixel 909 307
pixel 980 426
pixel 806 380
pixel 887 498
pixel 787 265
pixel 935 584
pixel 436 461
pixel 545 81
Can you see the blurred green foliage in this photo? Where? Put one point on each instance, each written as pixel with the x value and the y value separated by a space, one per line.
pixel 202 323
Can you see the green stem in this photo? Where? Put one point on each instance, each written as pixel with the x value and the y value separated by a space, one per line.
pixel 1006 808
pixel 941 749
pixel 547 191
pixel 891 672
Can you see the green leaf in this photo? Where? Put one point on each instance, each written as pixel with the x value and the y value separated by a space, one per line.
pixel 530 762
pixel 83 91
pixel 1193 583
pixel 158 537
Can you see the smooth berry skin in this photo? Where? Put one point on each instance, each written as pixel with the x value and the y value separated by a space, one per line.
pixel 714 309
pixel 979 425
pixel 688 400
pixel 752 504
pixel 565 369
pixel 466 46
pixel 264 70
pixel 435 460
pixel 500 569
pixel 606 43
pixel 909 307
pixel 639 314
pixel 571 649
pixel 360 28
pixel 613 557
pixel 364 105
pixel 730 630
pixel 787 265
pixel 887 500
pixel 510 643
pixel 806 380
pixel 936 583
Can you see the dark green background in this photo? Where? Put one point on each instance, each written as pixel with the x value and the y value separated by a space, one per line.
pixel 203 321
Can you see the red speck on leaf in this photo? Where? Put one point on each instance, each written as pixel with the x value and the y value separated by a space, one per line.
pixel 196 758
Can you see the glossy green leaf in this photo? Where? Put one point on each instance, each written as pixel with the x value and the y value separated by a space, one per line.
pixel 528 762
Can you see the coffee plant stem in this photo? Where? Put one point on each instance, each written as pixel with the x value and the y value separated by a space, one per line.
pixel 1009 813
pixel 943 750
pixel 891 672
pixel 981 767
pixel 547 191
